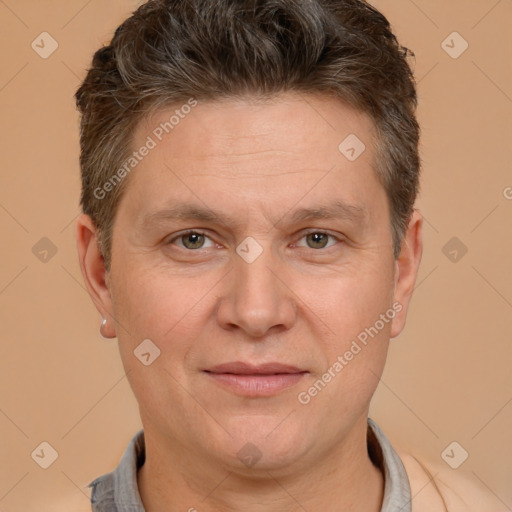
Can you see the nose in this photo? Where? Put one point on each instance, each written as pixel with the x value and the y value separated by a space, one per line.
pixel 255 299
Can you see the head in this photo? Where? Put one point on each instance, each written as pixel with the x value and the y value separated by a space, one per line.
pixel 281 135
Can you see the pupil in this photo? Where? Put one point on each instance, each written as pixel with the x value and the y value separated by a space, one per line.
pixel 318 238
pixel 194 239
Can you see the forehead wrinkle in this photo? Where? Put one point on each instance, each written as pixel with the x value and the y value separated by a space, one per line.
pixel 237 173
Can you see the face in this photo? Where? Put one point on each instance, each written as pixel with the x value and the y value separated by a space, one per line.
pixel 257 258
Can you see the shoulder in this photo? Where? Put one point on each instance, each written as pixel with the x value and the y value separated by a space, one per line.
pixel 75 503
pixel 437 488
pixel 77 500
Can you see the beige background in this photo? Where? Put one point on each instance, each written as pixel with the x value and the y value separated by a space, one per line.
pixel 449 374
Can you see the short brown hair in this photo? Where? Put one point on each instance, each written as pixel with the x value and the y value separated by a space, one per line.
pixel 171 50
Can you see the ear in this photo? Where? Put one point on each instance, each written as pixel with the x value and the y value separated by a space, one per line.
pixel 95 275
pixel 406 270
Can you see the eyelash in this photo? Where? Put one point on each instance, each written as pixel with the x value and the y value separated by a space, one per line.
pixel 199 232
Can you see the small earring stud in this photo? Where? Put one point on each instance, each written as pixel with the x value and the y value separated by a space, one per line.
pixel 102 326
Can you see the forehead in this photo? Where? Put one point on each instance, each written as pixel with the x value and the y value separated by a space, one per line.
pixel 253 122
pixel 259 150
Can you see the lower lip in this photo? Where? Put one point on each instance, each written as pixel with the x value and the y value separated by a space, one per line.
pixel 257 385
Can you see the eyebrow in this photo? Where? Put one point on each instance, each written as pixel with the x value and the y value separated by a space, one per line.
pixel 336 210
pixel 187 211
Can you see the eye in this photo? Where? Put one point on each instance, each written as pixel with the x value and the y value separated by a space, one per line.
pixel 318 240
pixel 192 240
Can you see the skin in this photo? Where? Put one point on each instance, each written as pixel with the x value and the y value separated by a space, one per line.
pixel 301 302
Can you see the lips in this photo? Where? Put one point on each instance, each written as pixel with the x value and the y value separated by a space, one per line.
pixel 248 380
pixel 240 368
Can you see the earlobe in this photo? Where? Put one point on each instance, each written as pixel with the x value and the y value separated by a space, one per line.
pixel 94 272
pixel 406 269
pixel 104 330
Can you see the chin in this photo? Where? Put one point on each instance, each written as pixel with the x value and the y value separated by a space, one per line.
pixel 261 443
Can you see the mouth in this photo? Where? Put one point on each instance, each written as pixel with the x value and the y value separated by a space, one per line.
pixel 254 381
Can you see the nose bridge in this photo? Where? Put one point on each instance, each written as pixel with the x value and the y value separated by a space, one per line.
pixel 256 283
pixel 257 300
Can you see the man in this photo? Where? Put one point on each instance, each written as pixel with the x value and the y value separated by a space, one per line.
pixel 249 173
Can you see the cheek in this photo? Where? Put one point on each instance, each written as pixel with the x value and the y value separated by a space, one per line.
pixel 356 310
pixel 157 303
pixel 169 310
pixel 349 301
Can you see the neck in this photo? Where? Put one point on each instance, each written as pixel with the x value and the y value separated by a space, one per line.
pixel 174 479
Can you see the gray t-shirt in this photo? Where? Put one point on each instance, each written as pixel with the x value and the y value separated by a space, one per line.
pixel 118 492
